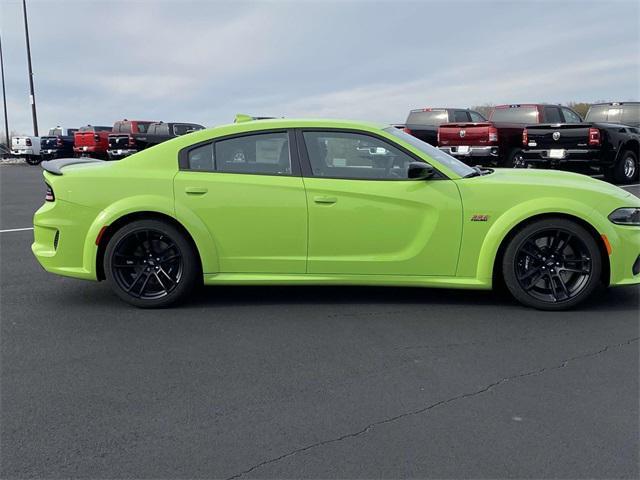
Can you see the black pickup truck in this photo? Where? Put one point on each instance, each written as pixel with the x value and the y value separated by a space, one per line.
pixel 611 148
pixel 131 136
pixel 423 123
pixel 58 143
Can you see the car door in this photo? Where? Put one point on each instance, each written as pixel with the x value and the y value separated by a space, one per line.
pixel 248 192
pixel 367 217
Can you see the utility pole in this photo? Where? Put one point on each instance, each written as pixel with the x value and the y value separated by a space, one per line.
pixel 32 95
pixel 4 97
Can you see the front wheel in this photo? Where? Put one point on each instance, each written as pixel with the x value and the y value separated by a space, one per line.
pixel 625 170
pixel 552 264
pixel 151 264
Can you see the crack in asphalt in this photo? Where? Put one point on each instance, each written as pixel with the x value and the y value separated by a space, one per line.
pixel 419 411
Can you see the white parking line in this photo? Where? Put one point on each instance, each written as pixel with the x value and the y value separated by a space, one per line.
pixel 634 185
pixel 16 230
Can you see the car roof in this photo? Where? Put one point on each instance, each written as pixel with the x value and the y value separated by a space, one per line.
pixel 268 124
pixel 613 104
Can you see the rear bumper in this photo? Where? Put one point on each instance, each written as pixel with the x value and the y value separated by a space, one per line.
pixel 22 151
pixel 51 152
pixel 121 152
pixel 89 149
pixel 490 152
pixel 569 156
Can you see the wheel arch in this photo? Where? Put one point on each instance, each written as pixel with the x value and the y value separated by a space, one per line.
pixel 109 230
pixel 632 145
pixel 497 261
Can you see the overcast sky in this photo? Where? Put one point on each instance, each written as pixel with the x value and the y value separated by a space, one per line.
pixel 204 61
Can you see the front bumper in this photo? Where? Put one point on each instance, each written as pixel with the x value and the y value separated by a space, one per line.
pixel 625 255
pixel 60 231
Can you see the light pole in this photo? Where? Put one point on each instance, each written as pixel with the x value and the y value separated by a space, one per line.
pixel 32 95
pixel 4 96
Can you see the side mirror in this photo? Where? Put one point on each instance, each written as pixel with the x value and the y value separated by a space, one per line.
pixel 420 171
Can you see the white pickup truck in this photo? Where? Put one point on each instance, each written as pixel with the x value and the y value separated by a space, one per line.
pixel 26 147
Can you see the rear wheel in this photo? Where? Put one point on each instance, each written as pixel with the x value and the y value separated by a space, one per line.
pixel 552 264
pixel 625 170
pixel 150 264
pixel 33 159
pixel 515 160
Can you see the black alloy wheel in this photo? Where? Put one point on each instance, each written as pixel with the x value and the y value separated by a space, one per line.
pixel 552 264
pixel 150 264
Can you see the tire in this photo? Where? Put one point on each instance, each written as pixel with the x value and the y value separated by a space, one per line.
pixel 33 159
pixel 625 170
pixel 151 264
pixel 515 160
pixel 552 264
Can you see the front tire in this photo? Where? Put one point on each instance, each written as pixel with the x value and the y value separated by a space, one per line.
pixel 552 264
pixel 151 264
pixel 625 170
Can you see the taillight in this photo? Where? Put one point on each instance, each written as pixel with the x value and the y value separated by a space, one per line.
pixel 594 137
pixel 525 137
pixel 493 134
pixel 49 196
pixel 407 130
pixel 58 142
pixel 28 142
pixel 438 137
pixel 132 141
pixel 96 137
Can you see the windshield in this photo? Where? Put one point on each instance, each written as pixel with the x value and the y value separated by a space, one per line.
pixel 515 114
pixel 447 160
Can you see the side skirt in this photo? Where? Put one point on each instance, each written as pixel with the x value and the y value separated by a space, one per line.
pixel 328 279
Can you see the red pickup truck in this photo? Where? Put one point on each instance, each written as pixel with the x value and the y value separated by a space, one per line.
pixel 91 141
pixel 499 140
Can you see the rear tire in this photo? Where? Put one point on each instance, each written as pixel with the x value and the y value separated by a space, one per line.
pixel 552 264
pixel 625 170
pixel 151 264
pixel 515 160
pixel 33 159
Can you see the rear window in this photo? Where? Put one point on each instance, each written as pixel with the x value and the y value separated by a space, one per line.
pixel 184 128
pixel 54 132
pixel 515 114
pixel 429 117
pixel 604 113
pixel 631 115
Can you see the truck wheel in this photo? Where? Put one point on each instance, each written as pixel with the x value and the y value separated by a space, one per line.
pixel 625 170
pixel 33 159
pixel 552 264
pixel 151 264
pixel 515 160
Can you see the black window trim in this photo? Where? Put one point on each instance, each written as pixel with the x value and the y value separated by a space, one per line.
pixel 183 154
pixel 307 171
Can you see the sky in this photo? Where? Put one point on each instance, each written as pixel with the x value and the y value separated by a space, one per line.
pixel 96 62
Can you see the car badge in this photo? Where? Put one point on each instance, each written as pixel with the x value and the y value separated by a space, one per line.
pixel 462 133
pixel 479 218
pixel 556 135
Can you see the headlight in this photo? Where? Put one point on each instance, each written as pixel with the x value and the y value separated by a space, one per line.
pixel 626 216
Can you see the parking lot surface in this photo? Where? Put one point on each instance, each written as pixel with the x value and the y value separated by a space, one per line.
pixel 305 382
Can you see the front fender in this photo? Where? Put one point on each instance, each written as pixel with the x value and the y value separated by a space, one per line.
pixel 524 211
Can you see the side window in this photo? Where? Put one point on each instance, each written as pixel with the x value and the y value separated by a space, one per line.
pixel 631 114
pixel 570 116
pixel 355 155
pixel 182 129
pixel 552 115
pixel 460 116
pixel 201 158
pixel 265 153
pixel 476 117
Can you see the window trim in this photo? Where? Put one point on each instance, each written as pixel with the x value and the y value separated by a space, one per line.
pixel 307 171
pixel 183 154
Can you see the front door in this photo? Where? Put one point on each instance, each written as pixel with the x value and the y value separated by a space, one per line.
pixel 249 193
pixel 367 217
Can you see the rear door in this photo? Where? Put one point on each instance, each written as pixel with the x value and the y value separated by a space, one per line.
pixel 367 218
pixel 248 191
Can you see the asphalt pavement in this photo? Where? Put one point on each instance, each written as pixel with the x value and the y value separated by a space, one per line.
pixel 305 382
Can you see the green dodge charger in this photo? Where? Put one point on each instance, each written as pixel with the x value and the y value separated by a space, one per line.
pixel 326 202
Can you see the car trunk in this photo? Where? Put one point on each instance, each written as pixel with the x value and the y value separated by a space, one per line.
pixel 558 136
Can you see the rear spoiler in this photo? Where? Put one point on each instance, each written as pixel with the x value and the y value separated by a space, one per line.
pixel 55 166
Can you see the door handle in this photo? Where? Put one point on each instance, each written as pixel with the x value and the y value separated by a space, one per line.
pixel 325 200
pixel 196 190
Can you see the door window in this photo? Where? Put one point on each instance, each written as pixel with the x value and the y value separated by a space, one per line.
pixel 460 116
pixel 570 116
pixel 266 154
pixel 552 115
pixel 476 117
pixel 355 155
